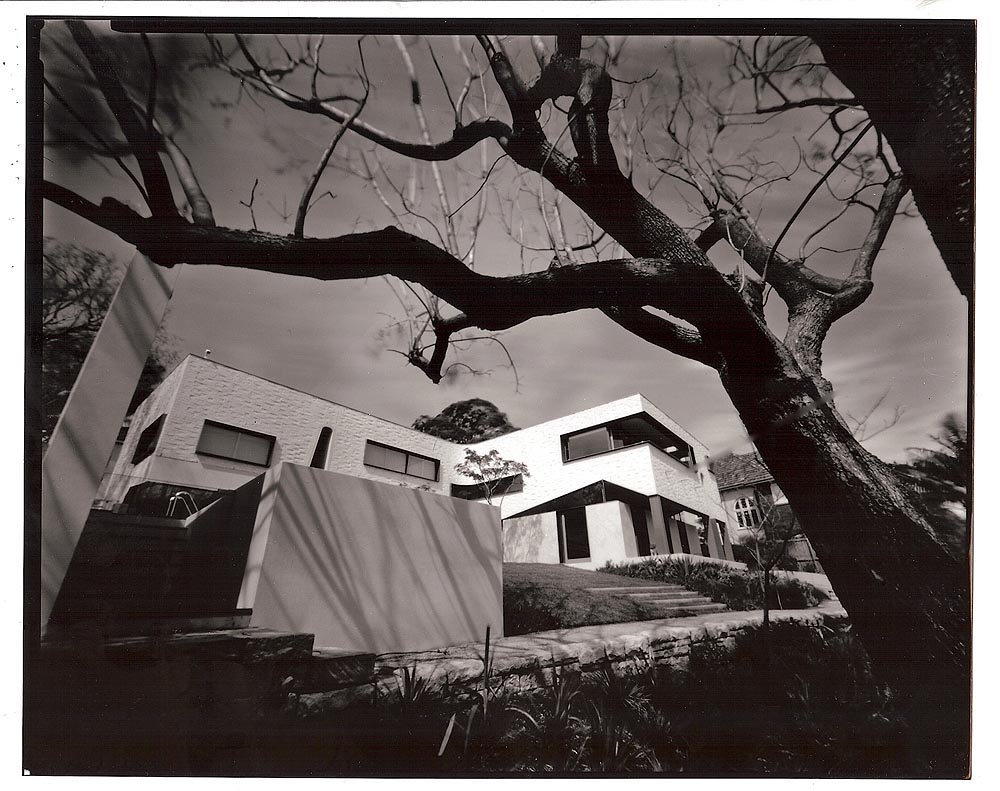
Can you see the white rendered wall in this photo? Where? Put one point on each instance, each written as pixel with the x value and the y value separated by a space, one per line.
pixel 610 533
pixel 371 567
pixel 640 468
pixel 85 434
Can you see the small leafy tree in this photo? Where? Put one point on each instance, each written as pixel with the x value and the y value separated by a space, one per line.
pixel 490 471
pixel 766 545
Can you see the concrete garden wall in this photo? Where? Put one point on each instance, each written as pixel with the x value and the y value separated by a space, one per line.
pixel 369 566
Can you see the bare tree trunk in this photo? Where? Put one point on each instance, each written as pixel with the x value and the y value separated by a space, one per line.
pixel 908 599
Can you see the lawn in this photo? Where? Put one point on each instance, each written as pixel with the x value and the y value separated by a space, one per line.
pixel 542 596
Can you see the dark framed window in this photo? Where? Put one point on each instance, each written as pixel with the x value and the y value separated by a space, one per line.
pixel 148 439
pixel 474 491
pixel 586 443
pixel 235 444
pixel 386 457
pixel 574 542
pixel 622 433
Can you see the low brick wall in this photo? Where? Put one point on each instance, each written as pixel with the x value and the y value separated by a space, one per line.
pixel 521 663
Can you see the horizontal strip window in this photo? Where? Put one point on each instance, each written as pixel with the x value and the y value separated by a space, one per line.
pixel 477 491
pixel 236 444
pixel 148 439
pixel 623 433
pixel 386 457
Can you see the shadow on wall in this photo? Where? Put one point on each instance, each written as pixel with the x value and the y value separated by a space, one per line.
pixel 531 539
pixel 371 566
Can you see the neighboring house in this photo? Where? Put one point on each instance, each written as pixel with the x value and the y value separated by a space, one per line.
pixel 616 481
pixel 750 497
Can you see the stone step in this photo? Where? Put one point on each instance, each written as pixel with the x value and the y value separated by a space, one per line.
pixel 681 594
pixel 675 611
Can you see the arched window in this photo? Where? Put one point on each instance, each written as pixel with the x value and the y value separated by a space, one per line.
pixel 322 448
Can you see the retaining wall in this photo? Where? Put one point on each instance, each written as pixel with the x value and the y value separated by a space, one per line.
pixel 523 662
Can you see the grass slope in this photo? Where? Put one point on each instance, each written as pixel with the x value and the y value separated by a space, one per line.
pixel 542 596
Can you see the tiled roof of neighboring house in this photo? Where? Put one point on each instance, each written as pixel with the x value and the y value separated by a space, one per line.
pixel 740 470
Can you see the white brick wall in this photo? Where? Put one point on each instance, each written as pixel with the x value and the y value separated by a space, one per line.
pixel 200 389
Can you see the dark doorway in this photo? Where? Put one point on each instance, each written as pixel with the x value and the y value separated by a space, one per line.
pixel 641 527
pixel 574 543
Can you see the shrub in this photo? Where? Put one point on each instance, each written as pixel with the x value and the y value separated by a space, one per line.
pixel 789 593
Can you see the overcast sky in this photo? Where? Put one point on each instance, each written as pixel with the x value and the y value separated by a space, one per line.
pixel 329 338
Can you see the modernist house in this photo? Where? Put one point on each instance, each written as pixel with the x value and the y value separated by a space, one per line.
pixel 615 481
pixel 750 497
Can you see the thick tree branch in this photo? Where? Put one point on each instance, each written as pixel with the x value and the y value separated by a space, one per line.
pixel 443 331
pixel 695 294
pixel 663 333
pixel 791 279
pixel 590 87
pixel 858 284
pixel 143 144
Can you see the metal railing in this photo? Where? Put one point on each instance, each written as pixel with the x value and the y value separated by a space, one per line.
pixel 185 499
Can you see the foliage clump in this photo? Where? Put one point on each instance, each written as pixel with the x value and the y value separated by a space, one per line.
pixel 473 420
pixel 814 709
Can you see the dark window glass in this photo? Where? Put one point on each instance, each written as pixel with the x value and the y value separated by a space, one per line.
pixel 573 538
pixel 623 433
pixel 230 442
pixel 747 515
pixel 474 491
pixel 587 443
pixel 682 530
pixel 421 468
pixel 148 439
pixel 395 460
pixel 385 458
